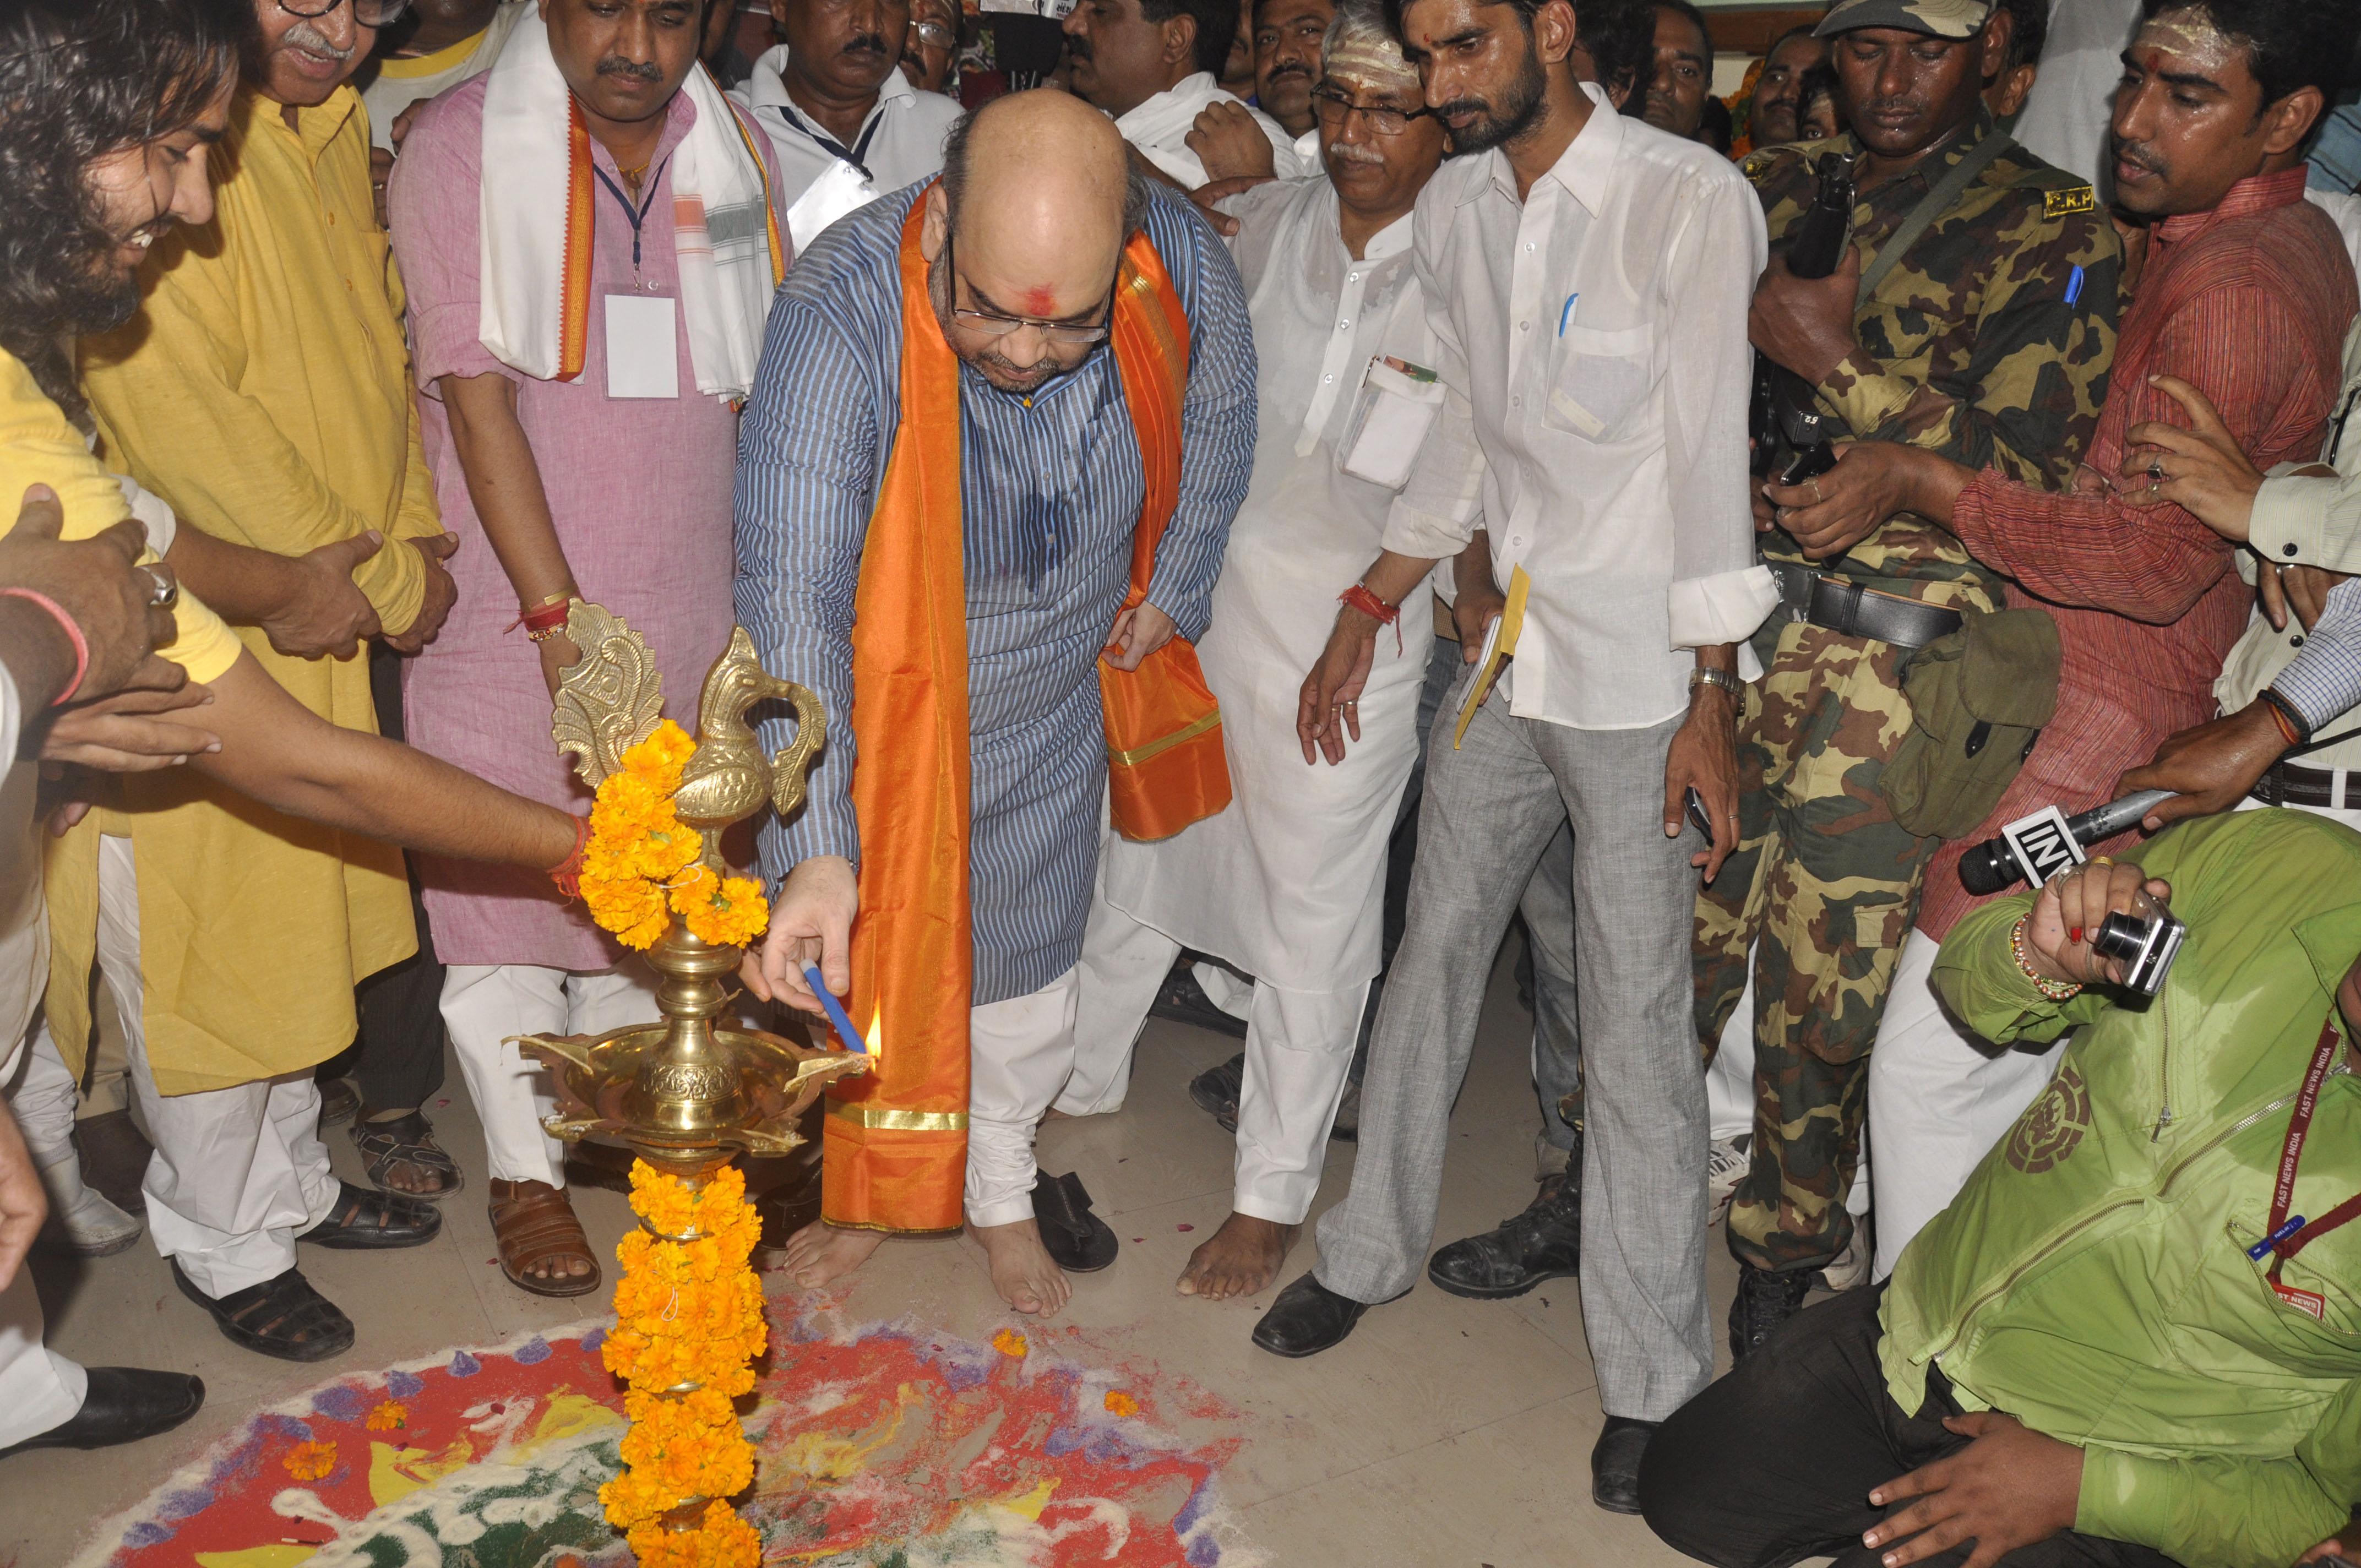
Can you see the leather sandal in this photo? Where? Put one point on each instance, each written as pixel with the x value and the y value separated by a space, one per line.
pixel 1076 1240
pixel 363 1220
pixel 282 1317
pixel 533 1223
pixel 406 1140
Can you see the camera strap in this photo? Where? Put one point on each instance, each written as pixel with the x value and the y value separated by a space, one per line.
pixel 1930 207
pixel 2287 1236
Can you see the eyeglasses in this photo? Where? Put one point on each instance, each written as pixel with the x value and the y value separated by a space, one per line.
pixel 1333 107
pixel 985 323
pixel 368 13
pixel 934 34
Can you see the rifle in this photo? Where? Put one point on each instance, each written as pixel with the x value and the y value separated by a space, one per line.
pixel 1791 437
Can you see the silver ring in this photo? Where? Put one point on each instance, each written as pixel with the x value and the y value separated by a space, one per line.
pixel 1818 499
pixel 2155 469
pixel 167 592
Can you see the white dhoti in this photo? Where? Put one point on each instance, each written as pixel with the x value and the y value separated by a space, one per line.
pixel 486 1006
pixel 39 1388
pixel 1020 1053
pixel 238 1172
pixel 1288 885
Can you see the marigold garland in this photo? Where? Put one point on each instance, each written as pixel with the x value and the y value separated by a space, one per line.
pixel 642 866
pixel 687 1312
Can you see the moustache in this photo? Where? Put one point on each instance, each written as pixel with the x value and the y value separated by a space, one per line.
pixel 865 43
pixel 1475 106
pixel 1354 152
pixel 1077 47
pixel 2138 155
pixel 312 41
pixel 638 70
pixel 1291 68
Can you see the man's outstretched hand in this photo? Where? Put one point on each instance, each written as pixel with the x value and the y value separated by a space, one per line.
pixel 2209 767
pixel 2010 1488
pixel 811 922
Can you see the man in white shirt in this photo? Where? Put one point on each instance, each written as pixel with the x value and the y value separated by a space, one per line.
pixel 1289 882
pixel 846 122
pixel 1152 65
pixel 1585 276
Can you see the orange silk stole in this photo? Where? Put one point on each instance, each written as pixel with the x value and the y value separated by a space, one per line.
pixel 894 1147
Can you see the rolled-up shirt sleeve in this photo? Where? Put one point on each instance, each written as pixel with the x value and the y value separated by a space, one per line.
pixel 808 469
pixel 2310 520
pixel 1720 592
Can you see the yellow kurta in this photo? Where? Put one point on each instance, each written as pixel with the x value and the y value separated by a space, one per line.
pixel 263 391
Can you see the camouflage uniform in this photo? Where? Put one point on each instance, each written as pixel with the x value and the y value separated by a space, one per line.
pixel 1970 347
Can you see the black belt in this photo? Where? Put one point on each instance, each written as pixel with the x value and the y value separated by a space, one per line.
pixel 2292 784
pixel 1854 611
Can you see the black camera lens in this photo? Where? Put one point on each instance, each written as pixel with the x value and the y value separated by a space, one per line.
pixel 2120 936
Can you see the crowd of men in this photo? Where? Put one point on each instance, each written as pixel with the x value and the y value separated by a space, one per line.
pixel 1312 484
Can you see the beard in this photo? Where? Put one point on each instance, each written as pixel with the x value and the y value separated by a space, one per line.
pixel 1519 107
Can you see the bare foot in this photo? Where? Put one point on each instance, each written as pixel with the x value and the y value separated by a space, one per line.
pixel 1021 1267
pixel 1239 1259
pixel 821 1253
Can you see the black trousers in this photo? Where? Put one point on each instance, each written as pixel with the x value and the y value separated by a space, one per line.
pixel 1775 1463
pixel 396 1061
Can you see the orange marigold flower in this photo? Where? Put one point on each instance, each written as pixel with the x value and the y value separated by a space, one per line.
pixel 310 1461
pixel 389 1415
pixel 1120 1404
pixel 1008 1342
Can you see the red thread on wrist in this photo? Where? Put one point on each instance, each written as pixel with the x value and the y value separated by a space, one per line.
pixel 73 634
pixel 567 872
pixel 1359 597
pixel 2278 715
pixel 546 617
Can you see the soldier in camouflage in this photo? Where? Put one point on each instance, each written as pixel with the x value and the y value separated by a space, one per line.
pixel 1989 340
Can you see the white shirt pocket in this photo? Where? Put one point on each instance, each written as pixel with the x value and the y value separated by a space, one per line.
pixel 1598 377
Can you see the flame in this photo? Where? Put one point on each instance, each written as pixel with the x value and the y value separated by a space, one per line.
pixel 868 1041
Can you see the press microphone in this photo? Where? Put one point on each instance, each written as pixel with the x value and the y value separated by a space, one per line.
pixel 2037 848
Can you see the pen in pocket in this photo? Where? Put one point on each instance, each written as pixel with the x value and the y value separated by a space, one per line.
pixel 1566 312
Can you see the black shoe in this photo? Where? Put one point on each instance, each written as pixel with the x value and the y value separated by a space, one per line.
pixel 1765 1300
pixel 1077 1240
pixel 364 1221
pixel 1543 1242
pixel 340 1102
pixel 283 1316
pixel 1183 1000
pixel 123 1404
pixel 1216 1090
pixel 1615 1464
pixel 115 1155
pixel 1306 1319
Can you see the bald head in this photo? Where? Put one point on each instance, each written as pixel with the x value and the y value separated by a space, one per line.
pixel 1037 199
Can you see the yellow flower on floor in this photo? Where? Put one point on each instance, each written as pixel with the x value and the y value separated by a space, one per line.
pixel 310 1461
pixel 1008 1342
pixel 389 1415
pixel 1120 1404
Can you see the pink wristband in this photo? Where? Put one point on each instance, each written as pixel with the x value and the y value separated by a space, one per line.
pixel 73 635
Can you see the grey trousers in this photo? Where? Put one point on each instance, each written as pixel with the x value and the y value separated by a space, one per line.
pixel 1490 810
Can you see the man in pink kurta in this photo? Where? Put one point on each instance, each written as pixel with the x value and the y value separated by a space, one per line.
pixel 637 518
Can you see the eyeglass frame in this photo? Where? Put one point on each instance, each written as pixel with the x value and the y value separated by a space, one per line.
pixel 1346 109
pixel 950 38
pixel 391 15
pixel 973 320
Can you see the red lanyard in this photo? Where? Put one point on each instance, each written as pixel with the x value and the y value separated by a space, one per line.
pixel 2286 1237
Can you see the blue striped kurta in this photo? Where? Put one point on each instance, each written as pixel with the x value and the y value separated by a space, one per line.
pixel 1051 487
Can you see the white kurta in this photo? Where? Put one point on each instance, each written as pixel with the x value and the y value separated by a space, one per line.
pixel 1289 882
pixel 1160 128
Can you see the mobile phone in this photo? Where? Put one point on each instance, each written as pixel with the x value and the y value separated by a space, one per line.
pixel 1697 813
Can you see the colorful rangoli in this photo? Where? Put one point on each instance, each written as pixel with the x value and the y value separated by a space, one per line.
pixel 880 1446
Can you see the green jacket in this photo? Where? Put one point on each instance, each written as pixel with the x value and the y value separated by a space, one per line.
pixel 2090 1279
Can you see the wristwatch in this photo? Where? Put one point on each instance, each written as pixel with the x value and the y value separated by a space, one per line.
pixel 1702 676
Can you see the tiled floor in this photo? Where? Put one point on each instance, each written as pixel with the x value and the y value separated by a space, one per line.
pixel 1444 1431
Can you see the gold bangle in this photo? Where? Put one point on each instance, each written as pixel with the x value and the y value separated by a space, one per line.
pixel 2055 990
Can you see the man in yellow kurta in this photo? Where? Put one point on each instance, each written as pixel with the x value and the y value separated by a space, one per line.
pixel 264 392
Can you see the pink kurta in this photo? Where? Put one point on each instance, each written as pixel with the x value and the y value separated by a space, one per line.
pixel 640 490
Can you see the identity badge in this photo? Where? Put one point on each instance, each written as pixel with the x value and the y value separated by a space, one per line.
pixel 2043 845
pixel 643 350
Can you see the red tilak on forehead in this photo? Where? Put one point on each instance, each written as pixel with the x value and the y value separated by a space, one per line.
pixel 1038 301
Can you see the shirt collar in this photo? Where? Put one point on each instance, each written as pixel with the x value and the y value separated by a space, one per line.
pixel 1923 174
pixel 315 126
pixel 1585 168
pixel 1389 241
pixel 2255 194
pixel 767 85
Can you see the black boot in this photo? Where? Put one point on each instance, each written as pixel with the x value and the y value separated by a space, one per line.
pixel 1216 1090
pixel 1543 1242
pixel 1615 1464
pixel 1765 1300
